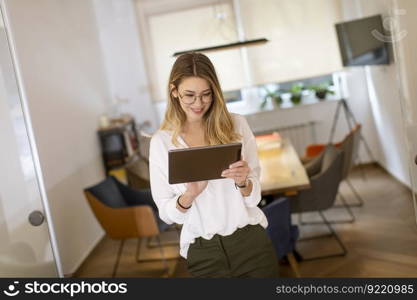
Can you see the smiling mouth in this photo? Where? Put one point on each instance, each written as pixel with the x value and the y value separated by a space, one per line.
pixel 197 110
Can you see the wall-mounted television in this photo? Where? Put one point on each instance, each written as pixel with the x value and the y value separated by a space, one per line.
pixel 361 42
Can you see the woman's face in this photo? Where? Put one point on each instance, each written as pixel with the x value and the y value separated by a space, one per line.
pixel 186 92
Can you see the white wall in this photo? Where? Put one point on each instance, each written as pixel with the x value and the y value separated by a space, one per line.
pixel 407 67
pixel 358 100
pixel 60 46
pixel 382 95
pixel 321 113
pixel 123 58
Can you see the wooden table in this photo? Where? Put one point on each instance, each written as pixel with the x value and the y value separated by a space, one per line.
pixel 281 168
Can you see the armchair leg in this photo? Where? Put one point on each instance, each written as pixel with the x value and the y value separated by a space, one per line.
pixel 360 201
pixel 332 233
pixel 172 228
pixel 316 236
pixel 362 169
pixel 150 245
pixel 119 253
pixel 161 250
pixel 355 192
pixel 178 229
pixel 352 218
pixel 347 207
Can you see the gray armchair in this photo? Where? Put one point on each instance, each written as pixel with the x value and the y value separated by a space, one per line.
pixel 326 173
pixel 125 213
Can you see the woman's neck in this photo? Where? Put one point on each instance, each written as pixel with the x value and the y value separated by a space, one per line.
pixel 193 134
pixel 193 126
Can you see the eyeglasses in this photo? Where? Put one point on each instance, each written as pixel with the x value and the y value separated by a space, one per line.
pixel 190 98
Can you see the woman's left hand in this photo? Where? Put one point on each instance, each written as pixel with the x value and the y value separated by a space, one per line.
pixel 238 171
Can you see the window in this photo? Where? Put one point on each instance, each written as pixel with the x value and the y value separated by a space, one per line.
pixel 302 39
pixel 192 28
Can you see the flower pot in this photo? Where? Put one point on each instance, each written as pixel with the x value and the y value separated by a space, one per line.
pixel 321 95
pixel 296 98
pixel 276 102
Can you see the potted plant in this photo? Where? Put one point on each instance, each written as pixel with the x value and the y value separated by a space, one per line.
pixel 321 90
pixel 274 97
pixel 296 93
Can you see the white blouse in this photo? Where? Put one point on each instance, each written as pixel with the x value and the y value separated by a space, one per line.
pixel 220 208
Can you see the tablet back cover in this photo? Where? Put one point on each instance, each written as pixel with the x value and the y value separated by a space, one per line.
pixel 201 163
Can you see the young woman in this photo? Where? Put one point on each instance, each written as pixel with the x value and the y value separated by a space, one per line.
pixel 223 232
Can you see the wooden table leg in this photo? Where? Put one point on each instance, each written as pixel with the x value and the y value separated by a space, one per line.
pixel 294 264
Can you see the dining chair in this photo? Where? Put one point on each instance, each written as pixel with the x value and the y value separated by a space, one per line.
pixel 350 147
pixel 322 194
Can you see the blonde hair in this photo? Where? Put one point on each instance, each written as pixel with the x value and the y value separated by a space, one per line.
pixel 217 121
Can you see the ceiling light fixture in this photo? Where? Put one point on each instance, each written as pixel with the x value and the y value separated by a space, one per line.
pixel 246 43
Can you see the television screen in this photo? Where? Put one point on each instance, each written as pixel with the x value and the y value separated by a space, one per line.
pixel 361 42
pixel 113 148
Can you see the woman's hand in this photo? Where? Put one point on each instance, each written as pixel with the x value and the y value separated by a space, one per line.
pixel 195 188
pixel 238 171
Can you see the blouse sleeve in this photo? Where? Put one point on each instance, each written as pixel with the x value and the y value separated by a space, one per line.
pixel 250 155
pixel 163 194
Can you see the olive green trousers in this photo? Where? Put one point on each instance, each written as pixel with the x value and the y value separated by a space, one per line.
pixel 248 252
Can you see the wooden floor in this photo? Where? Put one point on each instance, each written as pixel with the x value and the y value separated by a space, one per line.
pixel 381 243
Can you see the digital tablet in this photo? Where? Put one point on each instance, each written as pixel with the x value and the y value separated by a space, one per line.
pixel 201 163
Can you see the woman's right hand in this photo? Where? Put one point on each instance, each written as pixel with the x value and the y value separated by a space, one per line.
pixel 193 190
pixel 196 188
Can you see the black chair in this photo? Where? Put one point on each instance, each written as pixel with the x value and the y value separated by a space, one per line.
pixel 322 194
pixel 125 213
pixel 282 234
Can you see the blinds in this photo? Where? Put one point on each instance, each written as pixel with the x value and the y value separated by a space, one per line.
pixel 302 38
